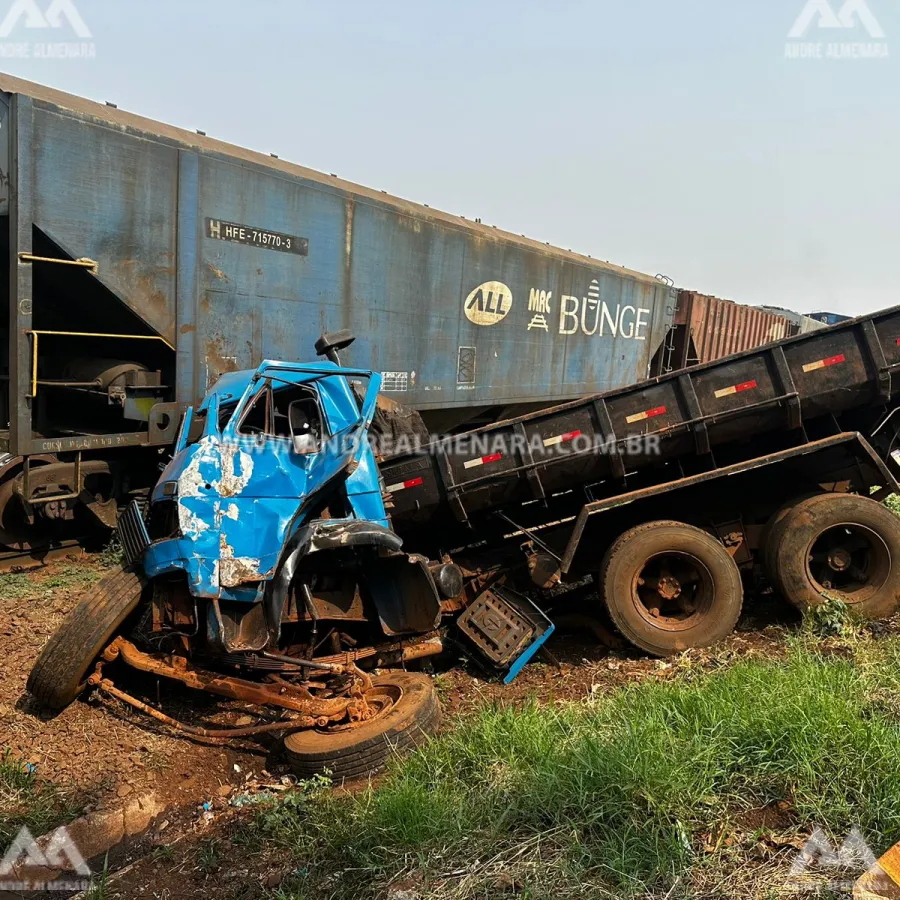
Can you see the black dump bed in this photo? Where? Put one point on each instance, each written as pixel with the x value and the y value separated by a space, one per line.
pixel 737 408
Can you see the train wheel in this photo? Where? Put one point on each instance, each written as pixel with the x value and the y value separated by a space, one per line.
pixel 408 711
pixel 838 546
pixel 59 675
pixel 670 586
pixel 15 531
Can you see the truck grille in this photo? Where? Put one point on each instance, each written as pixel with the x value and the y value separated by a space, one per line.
pixel 133 534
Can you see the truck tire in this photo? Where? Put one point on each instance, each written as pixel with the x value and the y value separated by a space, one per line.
pixel 670 586
pixel 59 675
pixel 774 528
pixel 411 713
pixel 838 545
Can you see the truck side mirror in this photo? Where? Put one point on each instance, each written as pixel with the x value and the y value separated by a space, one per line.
pixel 332 341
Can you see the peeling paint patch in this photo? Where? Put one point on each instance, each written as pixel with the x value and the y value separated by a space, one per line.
pixel 190 485
pixel 234 478
pixel 236 570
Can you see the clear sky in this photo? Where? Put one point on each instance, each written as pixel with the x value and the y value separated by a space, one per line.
pixel 666 136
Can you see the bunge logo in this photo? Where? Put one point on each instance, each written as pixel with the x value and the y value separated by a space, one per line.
pixel 57 15
pixel 489 303
pixel 820 16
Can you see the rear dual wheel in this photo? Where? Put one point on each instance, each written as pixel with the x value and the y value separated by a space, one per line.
pixel 839 546
pixel 670 586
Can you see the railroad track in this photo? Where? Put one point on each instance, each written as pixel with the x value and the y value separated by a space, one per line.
pixel 13 560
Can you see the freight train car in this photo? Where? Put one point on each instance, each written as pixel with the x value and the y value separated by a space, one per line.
pixel 144 261
pixel 707 328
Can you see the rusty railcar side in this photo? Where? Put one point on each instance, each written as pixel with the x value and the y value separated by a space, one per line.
pixel 707 328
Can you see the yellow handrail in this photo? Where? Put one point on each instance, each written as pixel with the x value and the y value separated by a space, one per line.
pixel 94 334
pixel 85 263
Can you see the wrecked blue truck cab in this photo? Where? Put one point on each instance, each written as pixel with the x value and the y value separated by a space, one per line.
pixel 272 478
pixel 265 570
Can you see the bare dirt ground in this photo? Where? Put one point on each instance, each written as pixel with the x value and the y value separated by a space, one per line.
pixel 96 751
pixel 100 753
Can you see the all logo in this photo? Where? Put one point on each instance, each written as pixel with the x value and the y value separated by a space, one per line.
pixel 489 303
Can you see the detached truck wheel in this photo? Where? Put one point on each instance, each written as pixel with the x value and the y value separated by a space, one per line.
pixel 408 711
pixel 61 671
pixel 669 587
pixel 837 545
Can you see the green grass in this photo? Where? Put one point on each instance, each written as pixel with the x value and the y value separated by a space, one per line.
pixel 27 800
pixel 612 797
pixel 36 584
pixel 113 554
pixel 17 586
pixel 70 576
pixel 208 857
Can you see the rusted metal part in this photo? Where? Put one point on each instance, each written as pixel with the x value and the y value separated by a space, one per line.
pixel 393 653
pixel 714 328
pixel 172 606
pixel 334 668
pixel 291 697
pixel 671 589
pixel 543 568
pixel 107 687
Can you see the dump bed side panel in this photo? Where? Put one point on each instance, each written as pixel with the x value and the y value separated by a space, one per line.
pixel 782 388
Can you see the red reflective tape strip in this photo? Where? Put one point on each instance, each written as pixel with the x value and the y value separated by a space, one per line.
pixel 482 460
pixel 822 363
pixel 402 485
pixel 736 389
pixel 561 438
pixel 649 414
pixel 898 341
